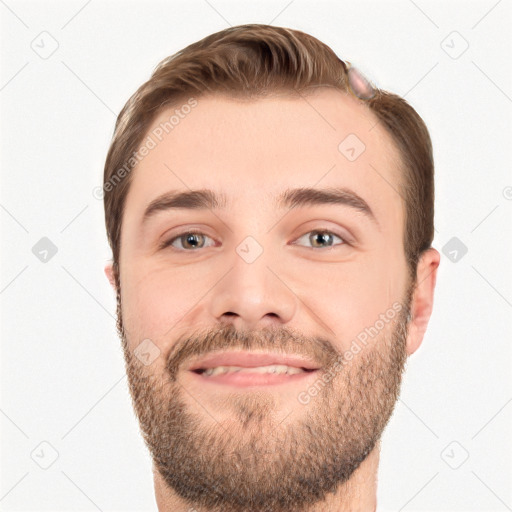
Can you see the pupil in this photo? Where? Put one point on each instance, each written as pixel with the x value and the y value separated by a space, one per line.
pixel 324 236
pixel 192 239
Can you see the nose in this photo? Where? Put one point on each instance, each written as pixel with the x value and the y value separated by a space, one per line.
pixel 253 296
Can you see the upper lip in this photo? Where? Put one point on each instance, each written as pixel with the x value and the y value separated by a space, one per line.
pixel 251 360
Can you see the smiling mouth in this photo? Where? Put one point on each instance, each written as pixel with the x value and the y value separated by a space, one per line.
pixel 258 376
pixel 275 369
pixel 252 368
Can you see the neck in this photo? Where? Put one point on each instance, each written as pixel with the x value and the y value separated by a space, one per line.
pixel 359 494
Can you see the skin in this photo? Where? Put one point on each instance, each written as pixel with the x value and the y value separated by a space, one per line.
pixel 252 151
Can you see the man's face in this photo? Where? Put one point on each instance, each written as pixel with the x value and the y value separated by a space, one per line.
pixel 297 284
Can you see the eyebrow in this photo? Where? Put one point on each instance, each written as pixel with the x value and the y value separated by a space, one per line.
pixel 206 199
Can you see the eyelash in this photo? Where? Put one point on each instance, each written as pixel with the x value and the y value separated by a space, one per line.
pixel 197 232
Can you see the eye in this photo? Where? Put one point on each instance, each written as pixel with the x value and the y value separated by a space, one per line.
pixel 193 240
pixel 322 239
pixel 190 240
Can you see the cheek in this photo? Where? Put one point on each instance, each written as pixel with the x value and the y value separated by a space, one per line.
pixel 349 297
pixel 156 300
pixel 163 302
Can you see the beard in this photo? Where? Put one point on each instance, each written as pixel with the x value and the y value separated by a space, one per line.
pixel 253 462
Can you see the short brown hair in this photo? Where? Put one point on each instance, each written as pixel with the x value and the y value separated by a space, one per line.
pixel 252 61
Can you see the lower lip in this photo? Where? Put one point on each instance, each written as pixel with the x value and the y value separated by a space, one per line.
pixel 248 379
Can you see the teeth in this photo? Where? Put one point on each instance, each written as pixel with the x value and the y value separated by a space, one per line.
pixel 279 369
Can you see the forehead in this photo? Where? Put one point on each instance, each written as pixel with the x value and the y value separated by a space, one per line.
pixel 251 150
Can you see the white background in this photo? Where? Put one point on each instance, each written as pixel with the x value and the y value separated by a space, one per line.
pixel 62 371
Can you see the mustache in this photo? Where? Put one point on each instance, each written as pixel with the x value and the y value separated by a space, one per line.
pixel 274 339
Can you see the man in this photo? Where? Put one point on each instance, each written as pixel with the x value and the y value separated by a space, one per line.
pixel 270 214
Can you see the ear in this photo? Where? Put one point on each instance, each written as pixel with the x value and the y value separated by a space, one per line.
pixel 109 272
pixel 423 298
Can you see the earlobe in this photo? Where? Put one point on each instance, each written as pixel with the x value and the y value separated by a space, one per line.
pixel 423 298
pixel 109 272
